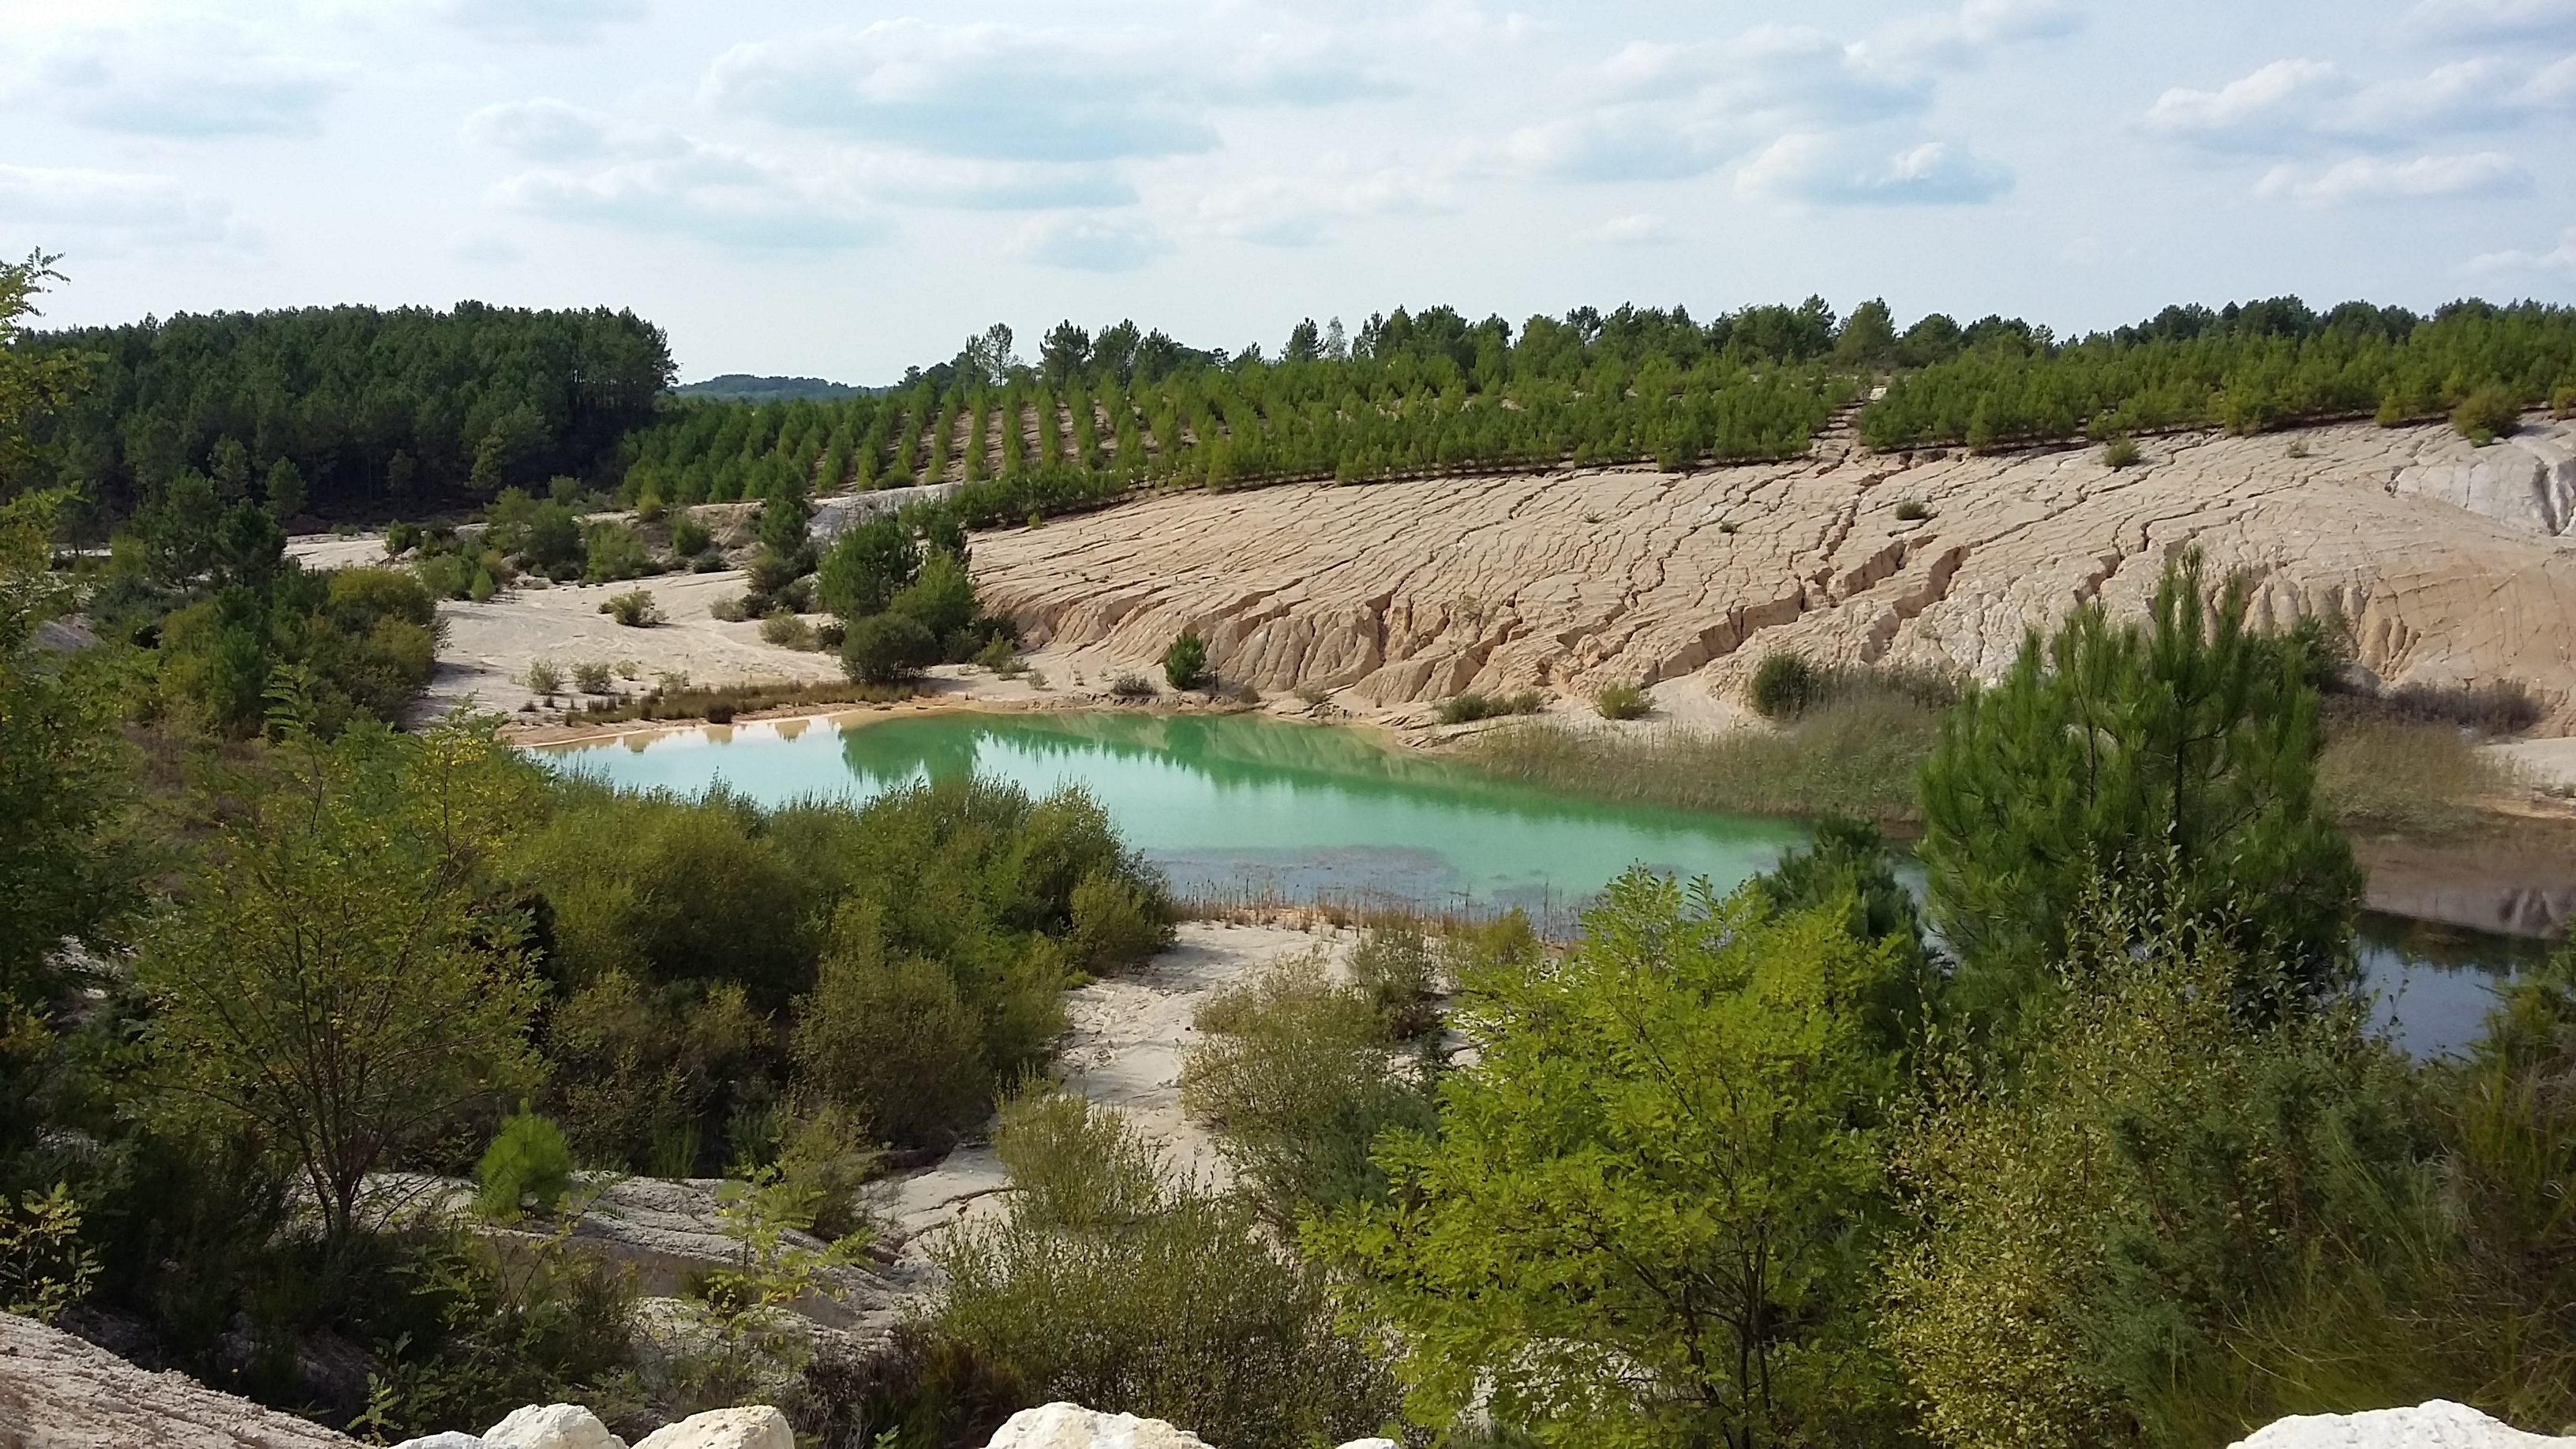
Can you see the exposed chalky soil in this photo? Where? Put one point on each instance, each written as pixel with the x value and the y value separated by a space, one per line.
pixel 2447 560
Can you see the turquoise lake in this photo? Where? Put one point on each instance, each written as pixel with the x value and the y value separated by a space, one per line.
pixel 1237 805
pixel 1231 803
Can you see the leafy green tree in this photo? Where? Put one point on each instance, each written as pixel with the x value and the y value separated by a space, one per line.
pixel 35 386
pixel 1649 1214
pixel 2115 750
pixel 62 769
pixel 329 979
pixel 865 567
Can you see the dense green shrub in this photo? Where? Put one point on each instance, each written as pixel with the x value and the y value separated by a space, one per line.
pixel 528 1159
pixel 635 608
pixel 613 551
pixel 1118 921
pixel 1622 701
pixel 1297 1076
pixel 887 648
pixel 1783 686
pixel 1185 663
pixel 689 537
pixel 2488 413
pixel 1475 705
pixel 2122 452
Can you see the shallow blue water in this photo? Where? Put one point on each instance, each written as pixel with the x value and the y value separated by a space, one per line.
pixel 1232 803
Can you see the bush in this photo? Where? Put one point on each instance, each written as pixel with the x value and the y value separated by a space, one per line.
pixel 1622 701
pixel 1109 1284
pixel 1000 656
pixel 731 609
pixel 544 678
pixel 1132 686
pixel 401 538
pixel 2121 452
pixel 649 508
pixel 612 551
pixel 1297 1077
pixel 1783 686
pixel 1912 510
pixel 887 648
pixel 1398 969
pixel 783 628
pixel 528 1158
pixel 1473 705
pixel 636 609
pixel 2487 413
pixel 690 538
pixel 591 676
pixel 1117 922
pixel 1185 663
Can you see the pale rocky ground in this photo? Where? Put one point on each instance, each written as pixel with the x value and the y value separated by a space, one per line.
pixel 2449 561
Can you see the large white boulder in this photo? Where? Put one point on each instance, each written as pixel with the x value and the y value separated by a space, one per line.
pixel 552 1426
pixel 2440 1424
pixel 448 1439
pixel 1071 1426
pixel 758 1427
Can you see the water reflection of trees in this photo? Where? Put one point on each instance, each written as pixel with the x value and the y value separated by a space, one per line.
pixel 1232 753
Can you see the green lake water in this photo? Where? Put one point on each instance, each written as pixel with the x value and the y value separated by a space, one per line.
pixel 1242 804
pixel 1232 802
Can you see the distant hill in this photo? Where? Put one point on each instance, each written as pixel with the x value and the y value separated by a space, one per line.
pixel 769 389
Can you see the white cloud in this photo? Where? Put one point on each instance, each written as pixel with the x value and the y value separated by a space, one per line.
pixel 2560 259
pixel 181 80
pixel 1970 34
pixel 2373 178
pixel 1828 171
pixel 1643 228
pixel 912 179
pixel 1091 241
pixel 2473 21
pixel 1672 111
pixel 1011 92
pixel 1295 211
pixel 113 208
pixel 542 130
pixel 2280 99
pixel 554 21
pixel 681 186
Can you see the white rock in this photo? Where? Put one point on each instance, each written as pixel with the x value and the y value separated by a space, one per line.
pixel 1071 1426
pixel 2439 1424
pixel 553 1426
pixel 758 1427
pixel 451 1439
pixel 1372 1444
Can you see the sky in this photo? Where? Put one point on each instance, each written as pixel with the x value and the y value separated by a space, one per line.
pixel 843 189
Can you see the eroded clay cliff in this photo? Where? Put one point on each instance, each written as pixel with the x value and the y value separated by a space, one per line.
pixel 2449 562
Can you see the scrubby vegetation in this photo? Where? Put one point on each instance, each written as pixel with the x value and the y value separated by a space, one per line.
pixel 2113 1159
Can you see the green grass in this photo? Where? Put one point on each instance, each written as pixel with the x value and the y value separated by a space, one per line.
pixel 1857 755
pixel 719 706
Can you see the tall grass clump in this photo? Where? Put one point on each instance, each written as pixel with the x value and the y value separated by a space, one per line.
pixel 2398 777
pixel 1857 755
